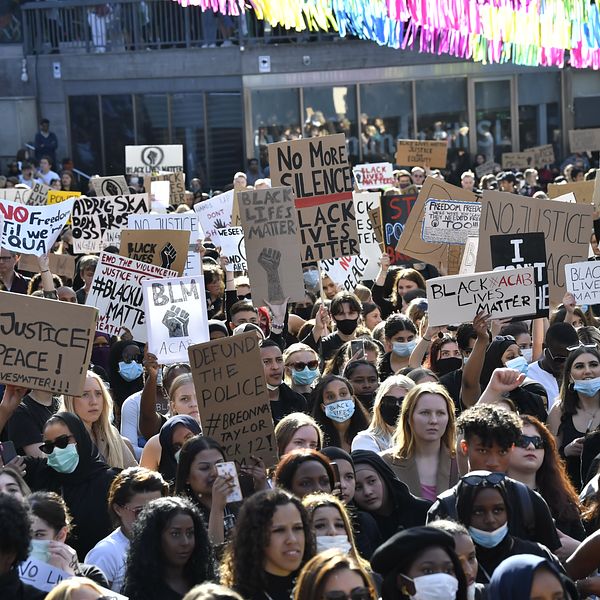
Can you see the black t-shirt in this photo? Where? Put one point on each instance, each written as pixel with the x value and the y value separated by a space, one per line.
pixel 289 402
pixel 452 382
pixel 27 423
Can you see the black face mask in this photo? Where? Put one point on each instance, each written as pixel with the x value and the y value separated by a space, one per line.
pixel 447 365
pixel 346 326
pixel 304 313
pixel 390 413
pixel 366 400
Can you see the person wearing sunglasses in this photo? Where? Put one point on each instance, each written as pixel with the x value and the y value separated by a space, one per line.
pixel 129 492
pixel 301 369
pixel 482 507
pixel 335 575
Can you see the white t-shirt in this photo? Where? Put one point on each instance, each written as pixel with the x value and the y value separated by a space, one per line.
pixel 130 416
pixel 546 379
pixel 110 555
pixel 48 177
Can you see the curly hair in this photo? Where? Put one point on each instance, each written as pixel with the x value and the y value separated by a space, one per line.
pixel 144 576
pixel 290 462
pixel 243 564
pixel 15 527
pixel 491 425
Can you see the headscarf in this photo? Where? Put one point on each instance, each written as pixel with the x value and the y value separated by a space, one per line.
pixel 466 494
pixel 334 453
pixel 493 356
pixel 101 354
pixel 168 465
pixel 121 389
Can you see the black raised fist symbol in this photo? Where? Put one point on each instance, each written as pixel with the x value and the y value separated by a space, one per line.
pixel 168 255
pixel 269 259
pixel 176 320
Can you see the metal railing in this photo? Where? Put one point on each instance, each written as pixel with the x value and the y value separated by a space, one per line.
pixel 62 26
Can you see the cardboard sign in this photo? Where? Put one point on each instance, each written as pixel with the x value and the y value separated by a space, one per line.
pixel 176 187
pixel 584 140
pixel 39 193
pixel 583 281
pixel 187 221
pixel 176 317
pixel 97 222
pixel 586 192
pixel 346 272
pixel 469 257
pixel 45 344
pixel 166 249
pixel 18 195
pixel 233 399
pixel 55 196
pixel 543 155
pixel 373 175
pixel 395 211
pixel 485 168
pixel 116 292
pixel 141 160
pixel 370 249
pixel 417 153
pixel 110 186
pixel 518 160
pixel 233 248
pixel 375 219
pixel 514 251
pixel 411 243
pixel 62 265
pixel 458 298
pixel 566 227
pixel 214 214
pixel 450 222
pixel 33 229
pixel 270 225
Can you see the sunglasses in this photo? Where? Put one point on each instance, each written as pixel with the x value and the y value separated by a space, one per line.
pixel 300 366
pixel 525 440
pixel 359 593
pixel 557 358
pixel 62 441
pixel 392 400
pixel 589 346
pixel 475 480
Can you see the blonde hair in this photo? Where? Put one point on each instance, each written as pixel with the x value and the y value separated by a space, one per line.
pixel 378 427
pixel 287 427
pixel 104 433
pixel 404 439
pixel 179 381
pixel 66 588
pixel 290 350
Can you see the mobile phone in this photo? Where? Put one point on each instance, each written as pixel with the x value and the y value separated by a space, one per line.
pixel 357 346
pixel 227 469
pixel 7 451
pixel 336 473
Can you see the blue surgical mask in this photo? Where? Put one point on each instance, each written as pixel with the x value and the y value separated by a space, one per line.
pixel 519 364
pixel 587 387
pixel 488 539
pixel 130 371
pixel 403 348
pixel 527 354
pixel 340 411
pixel 304 377
pixel 311 278
pixel 39 550
pixel 64 460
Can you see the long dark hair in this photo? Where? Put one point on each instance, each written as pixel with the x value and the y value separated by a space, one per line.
pixel 568 396
pixel 144 576
pixel 289 463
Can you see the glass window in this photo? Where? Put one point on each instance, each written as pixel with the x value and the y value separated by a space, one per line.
pixel 117 120
pixel 386 116
pixel 492 113
pixel 152 119
pixel 84 115
pixel 187 116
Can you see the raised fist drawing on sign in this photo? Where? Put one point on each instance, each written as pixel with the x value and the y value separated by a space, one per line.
pixel 176 320
pixel 269 259
pixel 168 255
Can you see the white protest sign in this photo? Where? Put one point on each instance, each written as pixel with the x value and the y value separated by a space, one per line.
pixel 33 229
pixel 160 194
pixel 449 221
pixel 187 221
pixel 18 195
pixel 469 257
pixel 346 272
pixel 570 197
pixel 97 222
pixel 583 281
pixel 110 186
pixel 176 317
pixel 233 248
pixel 116 292
pixel 215 213
pixel 373 175
pixel 370 251
pixel 141 160
pixel 458 298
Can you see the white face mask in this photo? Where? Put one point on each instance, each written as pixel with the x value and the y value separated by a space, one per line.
pixel 335 542
pixel 471 589
pixel 527 354
pixel 438 586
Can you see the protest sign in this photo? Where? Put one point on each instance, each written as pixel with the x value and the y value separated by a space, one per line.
pixel 318 171
pixel 583 281
pixel 373 175
pixel 485 168
pixel 395 211
pixel 187 221
pixel 346 272
pixel 97 222
pixel 370 250
pixel 233 399
pixel 214 214
pixel 62 265
pixel 450 222
pixel 176 188
pixel 518 160
pixel 584 140
pixel 166 249
pixel 270 224
pixel 375 219
pixel 176 317
pixel 586 192
pixel 18 195
pixel 110 186
pixel 116 292
pixel 566 227
pixel 55 196
pixel 417 153
pixel 159 196
pixel 39 193
pixel 469 257
pixel 570 197
pixel 458 298
pixel 141 160
pixel 233 248
pixel 411 243
pixel 543 155
pixel 33 229
pixel 46 344
pixel 514 251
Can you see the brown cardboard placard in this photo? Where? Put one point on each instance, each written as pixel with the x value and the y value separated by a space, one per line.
pixel 425 153
pixel 544 155
pixel 375 218
pixel 584 140
pixel 20 195
pixel 518 160
pixel 233 399
pixel 46 344
pixel 39 194
pixel 567 228
pixel 585 191
pixel 62 265
pixel 114 185
pixel 273 248
pixel 176 189
pixel 166 249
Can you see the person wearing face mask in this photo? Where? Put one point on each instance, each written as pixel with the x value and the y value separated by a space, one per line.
pixel 364 379
pixel 311 276
pixel 301 369
pixel 520 331
pixel 125 370
pixel 390 395
pixel 400 339
pixel 482 506
pixel 101 353
pixel 420 563
pixel 444 355
pixel 304 309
